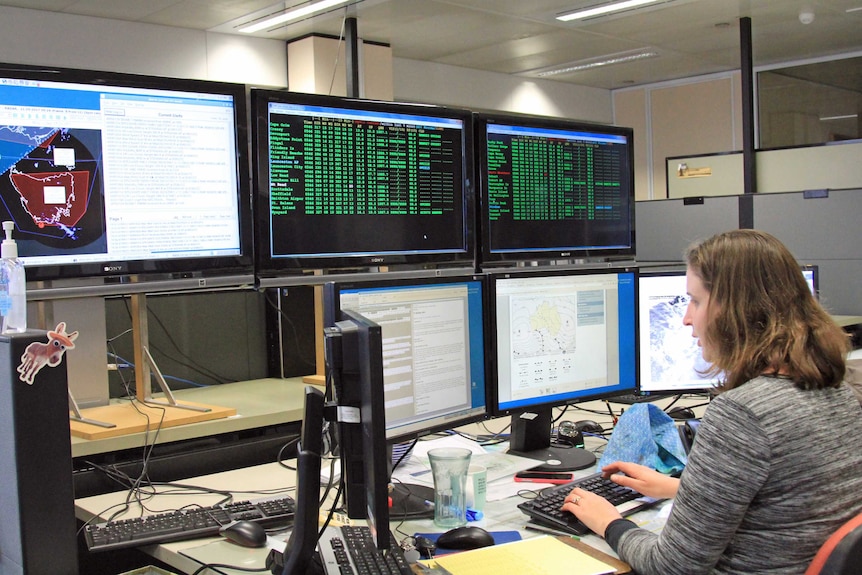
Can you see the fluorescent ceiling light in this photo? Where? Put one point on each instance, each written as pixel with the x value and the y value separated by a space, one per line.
pixel 296 14
pixel 843 117
pixel 597 63
pixel 603 9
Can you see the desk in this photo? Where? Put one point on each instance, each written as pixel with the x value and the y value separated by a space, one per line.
pixel 499 515
pixel 267 477
pixel 182 555
pixel 847 320
pixel 259 403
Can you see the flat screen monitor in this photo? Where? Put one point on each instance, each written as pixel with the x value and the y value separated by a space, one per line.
pixel 433 346
pixel 671 361
pixel 553 189
pixel 560 336
pixel 434 358
pixel 357 368
pixel 811 273
pixel 348 183
pixel 116 179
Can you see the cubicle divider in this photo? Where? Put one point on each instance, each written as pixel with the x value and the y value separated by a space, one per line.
pixel 832 166
pixel 825 229
pixel 664 228
pixel 819 227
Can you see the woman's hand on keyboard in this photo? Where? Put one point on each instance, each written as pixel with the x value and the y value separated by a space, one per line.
pixel 591 509
pixel 642 479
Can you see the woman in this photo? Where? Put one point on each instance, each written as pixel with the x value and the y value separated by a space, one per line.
pixel 777 463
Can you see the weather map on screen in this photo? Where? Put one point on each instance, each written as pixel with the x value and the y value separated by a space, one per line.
pixel 54 171
pixel 114 174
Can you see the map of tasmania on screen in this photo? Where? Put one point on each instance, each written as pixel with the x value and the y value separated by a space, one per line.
pixel 51 186
pixel 98 173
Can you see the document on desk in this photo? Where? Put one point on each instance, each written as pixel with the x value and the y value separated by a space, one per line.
pixel 536 556
pixel 499 465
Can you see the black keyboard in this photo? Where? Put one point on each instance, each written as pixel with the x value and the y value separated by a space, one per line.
pixel 350 550
pixel 633 398
pixel 190 523
pixel 545 509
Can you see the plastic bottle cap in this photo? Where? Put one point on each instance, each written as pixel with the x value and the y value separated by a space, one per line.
pixel 8 249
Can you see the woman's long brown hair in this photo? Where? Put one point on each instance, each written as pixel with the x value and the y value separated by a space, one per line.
pixel 763 317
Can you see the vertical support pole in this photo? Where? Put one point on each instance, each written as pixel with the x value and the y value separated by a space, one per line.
pixel 749 165
pixel 351 53
pixel 140 339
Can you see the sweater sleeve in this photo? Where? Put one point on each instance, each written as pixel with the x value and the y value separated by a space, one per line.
pixel 725 470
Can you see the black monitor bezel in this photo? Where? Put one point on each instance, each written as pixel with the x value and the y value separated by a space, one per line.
pixel 118 276
pixel 491 257
pixel 494 399
pixel 335 288
pixel 268 266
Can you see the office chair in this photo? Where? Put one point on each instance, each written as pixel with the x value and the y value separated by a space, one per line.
pixel 841 554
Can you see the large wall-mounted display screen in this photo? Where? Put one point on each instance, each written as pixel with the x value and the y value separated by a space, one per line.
pixel 110 175
pixel 553 189
pixel 344 182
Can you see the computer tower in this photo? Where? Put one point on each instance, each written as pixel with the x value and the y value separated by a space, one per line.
pixel 37 503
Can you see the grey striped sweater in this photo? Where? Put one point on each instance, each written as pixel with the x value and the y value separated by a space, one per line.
pixel 774 471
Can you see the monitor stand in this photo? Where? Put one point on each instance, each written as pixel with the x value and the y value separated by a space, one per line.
pixel 531 438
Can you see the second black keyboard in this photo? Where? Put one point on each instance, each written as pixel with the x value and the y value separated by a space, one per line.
pixel 545 509
pixel 350 550
pixel 190 523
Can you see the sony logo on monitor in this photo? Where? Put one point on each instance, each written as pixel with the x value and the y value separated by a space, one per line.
pixel 113 269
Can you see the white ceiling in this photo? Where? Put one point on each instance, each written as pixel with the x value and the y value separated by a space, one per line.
pixel 691 37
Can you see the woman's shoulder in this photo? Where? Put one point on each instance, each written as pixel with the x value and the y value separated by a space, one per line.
pixel 758 388
pixel 771 395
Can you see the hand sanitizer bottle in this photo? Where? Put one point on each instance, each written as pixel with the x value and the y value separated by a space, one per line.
pixel 13 285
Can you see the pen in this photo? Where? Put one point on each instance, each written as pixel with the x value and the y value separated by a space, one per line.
pixel 549 531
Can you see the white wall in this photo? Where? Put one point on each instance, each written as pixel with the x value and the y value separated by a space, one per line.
pixel 475 89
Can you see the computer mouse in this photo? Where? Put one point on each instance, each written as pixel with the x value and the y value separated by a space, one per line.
pixel 587 426
pixel 466 537
pixel 245 533
pixel 681 413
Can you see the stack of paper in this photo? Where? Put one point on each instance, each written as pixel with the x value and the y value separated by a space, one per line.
pixel 536 556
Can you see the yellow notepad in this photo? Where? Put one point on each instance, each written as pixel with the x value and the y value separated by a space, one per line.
pixel 536 556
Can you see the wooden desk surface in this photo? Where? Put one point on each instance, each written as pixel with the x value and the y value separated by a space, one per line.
pixel 258 403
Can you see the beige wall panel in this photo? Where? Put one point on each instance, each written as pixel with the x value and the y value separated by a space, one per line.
pixel 630 110
pixel 377 81
pixel 689 119
pixel 316 65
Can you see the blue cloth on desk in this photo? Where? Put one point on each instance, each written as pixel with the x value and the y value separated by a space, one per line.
pixel 647 435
